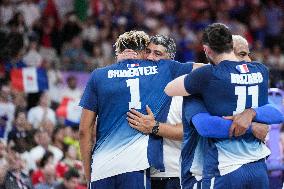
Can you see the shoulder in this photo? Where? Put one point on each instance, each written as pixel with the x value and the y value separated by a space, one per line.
pixel 204 70
pixel 174 62
pixel 260 65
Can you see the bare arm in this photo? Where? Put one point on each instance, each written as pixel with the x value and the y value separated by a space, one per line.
pixel 145 124
pixel 260 130
pixel 176 87
pixel 87 124
pixel 197 65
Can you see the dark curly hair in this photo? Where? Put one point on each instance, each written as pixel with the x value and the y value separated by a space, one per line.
pixel 218 37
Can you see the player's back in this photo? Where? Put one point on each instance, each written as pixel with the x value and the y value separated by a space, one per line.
pixel 117 88
pixel 235 86
pixel 232 87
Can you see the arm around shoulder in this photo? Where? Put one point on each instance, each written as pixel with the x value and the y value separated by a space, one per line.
pixel 176 87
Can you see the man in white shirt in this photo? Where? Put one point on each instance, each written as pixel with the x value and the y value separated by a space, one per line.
pixel 162 47
pixel 7 110
pixel 71 91
pixel 42 112
pixel 43 140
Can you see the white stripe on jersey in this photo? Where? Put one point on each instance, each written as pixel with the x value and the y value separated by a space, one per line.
pixel 212 183
pixel 232 154
pixel 145 179
pixel 122 160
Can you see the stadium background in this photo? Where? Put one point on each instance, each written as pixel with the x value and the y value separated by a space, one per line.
pixel 70 38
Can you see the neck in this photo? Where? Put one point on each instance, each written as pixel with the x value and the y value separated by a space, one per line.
pixel 225 56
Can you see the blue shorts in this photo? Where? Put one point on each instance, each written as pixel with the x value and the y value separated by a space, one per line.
pixel 136 179
pixel 249 176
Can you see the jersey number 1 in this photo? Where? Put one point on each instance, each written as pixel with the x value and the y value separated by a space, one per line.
pixel 242 92
pixel 133 85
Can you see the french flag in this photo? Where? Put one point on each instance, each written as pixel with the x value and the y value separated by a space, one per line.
pixel 70 111
pixel 132 65
pixel 242 68
pixel 29 80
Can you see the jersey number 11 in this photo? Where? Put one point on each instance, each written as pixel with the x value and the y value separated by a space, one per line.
pixel 242 92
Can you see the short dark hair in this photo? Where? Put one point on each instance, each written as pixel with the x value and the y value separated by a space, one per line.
pixel 218 37
pixel 166 42
pixel 71 173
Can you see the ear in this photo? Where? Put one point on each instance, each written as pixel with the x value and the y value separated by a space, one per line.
pixel 205 48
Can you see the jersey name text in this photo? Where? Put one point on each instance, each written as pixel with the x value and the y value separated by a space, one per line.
pixel 133 72
pixel 247 79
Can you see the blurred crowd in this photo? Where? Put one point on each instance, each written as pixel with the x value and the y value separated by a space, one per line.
pixel 37 148
pixel 79 34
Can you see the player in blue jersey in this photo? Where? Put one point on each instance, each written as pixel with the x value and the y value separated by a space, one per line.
pixel 120 155
pixel 162 47
pixel 158 49
pixel 228 87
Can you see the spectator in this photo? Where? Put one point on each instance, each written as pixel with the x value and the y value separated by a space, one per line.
pixel 54 81
pixel 7 109
pixel 6 12
pixel 15 177
pixel 20 101
pixel 49 34
pixel 13 50
pixel 71 28
pixel 32 57
pixel 58 137
pixel 71 91
pixel 41 112
pixel 75 57
pixel 71 157
pixel 49 178
pixel 38 174
pixel 22 133
pixel 30 12
pixel 17 24
pixel 43 144
pixel 71 180
pixel 97 59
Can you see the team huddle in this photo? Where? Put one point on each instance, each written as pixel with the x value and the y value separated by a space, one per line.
pixel 137 132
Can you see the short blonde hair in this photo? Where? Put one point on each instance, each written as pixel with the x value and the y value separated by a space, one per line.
pixel 238 39
pixel 135 40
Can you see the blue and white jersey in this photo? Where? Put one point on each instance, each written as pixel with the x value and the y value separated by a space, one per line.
pixel 193 144
pixel 229 88
pixel 111 92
